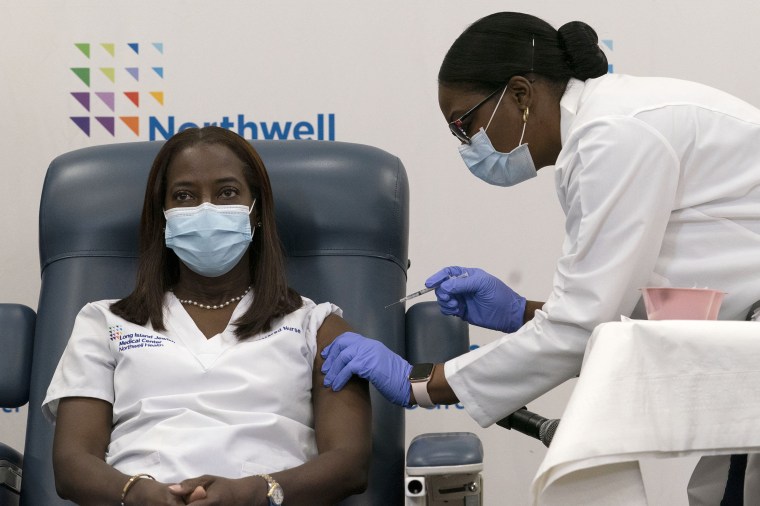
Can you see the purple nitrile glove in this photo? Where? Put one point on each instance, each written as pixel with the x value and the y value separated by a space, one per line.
pixel 353 354
pixel 479 298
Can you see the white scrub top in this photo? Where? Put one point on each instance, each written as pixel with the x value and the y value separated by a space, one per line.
pixel 185 405
pixel 659 180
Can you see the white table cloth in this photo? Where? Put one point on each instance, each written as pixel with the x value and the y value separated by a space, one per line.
pixel 652 389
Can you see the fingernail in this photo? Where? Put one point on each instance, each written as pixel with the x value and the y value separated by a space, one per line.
pixel 175 488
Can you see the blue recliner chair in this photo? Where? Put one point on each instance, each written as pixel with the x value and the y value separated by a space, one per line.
pixel 342 212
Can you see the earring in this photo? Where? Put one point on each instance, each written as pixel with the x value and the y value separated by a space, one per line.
pixel 525 115
pixel 258 224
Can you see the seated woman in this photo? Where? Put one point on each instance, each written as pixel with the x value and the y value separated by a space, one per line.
pixel 198 386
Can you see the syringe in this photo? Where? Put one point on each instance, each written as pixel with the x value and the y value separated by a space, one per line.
pixel 425 290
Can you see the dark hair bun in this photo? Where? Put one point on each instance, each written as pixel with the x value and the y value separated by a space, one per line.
pixel 581 46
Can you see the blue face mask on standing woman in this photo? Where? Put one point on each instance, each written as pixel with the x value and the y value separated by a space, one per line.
pixel 493 167
pixel 209 239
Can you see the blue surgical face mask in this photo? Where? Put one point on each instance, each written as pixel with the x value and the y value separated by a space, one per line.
pixel 209 239
pixel 493 167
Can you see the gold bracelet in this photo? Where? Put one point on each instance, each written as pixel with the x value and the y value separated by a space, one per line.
pixel 131 481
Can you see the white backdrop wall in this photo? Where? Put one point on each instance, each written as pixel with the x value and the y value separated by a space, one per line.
pixel 339 70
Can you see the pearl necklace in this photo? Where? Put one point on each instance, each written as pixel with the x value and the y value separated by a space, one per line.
pixel 218 306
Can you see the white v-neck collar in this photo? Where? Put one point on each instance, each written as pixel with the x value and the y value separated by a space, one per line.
pixel 181 327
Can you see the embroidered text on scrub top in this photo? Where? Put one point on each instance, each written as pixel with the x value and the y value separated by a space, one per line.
pixel 135 340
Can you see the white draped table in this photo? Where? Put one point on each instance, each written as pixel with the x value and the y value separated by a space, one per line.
pixel 652 389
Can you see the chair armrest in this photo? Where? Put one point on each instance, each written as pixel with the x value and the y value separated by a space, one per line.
pixel 10 475
pixel 432 336
pixel 444 453
pixel 17 324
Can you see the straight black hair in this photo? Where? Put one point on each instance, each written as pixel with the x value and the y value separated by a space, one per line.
pixel 158 267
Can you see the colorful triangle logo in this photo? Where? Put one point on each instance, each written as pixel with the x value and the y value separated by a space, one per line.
pixel 158 95
pixel 83 122
pixel 82 73
pixel 109 73
pixel 133 96
pixel 109 47
pixel 133 122
pixel 134 72
pixel 84 48
pixel 83 98
pixel 108 123
pixel 108 98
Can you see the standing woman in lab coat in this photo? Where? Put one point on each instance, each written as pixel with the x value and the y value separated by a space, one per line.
pixel 659 180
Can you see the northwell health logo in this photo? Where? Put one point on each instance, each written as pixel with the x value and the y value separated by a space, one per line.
pixel 121 92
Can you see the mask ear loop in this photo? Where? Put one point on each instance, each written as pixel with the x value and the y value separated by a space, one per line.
pixel 258 223
pixel 496 108
pixel 526 112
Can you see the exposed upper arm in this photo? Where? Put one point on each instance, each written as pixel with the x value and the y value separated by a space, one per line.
pixel 83 425
pixel 342 420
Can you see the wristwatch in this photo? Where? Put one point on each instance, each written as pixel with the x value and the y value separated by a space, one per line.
pixel 274 491
pixel 419 378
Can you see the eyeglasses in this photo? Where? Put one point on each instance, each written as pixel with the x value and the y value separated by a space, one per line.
pixel 456 126
pixel 457 130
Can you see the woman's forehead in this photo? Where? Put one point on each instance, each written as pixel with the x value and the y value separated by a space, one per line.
pixel 455 101
pixel 205 160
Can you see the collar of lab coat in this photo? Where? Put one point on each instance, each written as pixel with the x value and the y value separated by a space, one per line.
pixel 568 106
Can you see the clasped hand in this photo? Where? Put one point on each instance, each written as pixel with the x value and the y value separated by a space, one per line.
pixel 201 491
pixel 479 298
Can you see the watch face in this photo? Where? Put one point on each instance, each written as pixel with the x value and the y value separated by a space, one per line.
pixel 276 496
pixel 421 372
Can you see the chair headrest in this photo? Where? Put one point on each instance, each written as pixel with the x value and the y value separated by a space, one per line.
pixel 92 199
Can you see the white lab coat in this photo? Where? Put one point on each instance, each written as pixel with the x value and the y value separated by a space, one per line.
pixel 184 405
pixel 660 183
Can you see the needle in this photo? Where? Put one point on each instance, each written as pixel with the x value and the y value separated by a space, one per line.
pixel 425 290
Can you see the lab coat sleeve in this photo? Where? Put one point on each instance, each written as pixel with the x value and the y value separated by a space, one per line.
pixel 619 182
pixel 87 365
